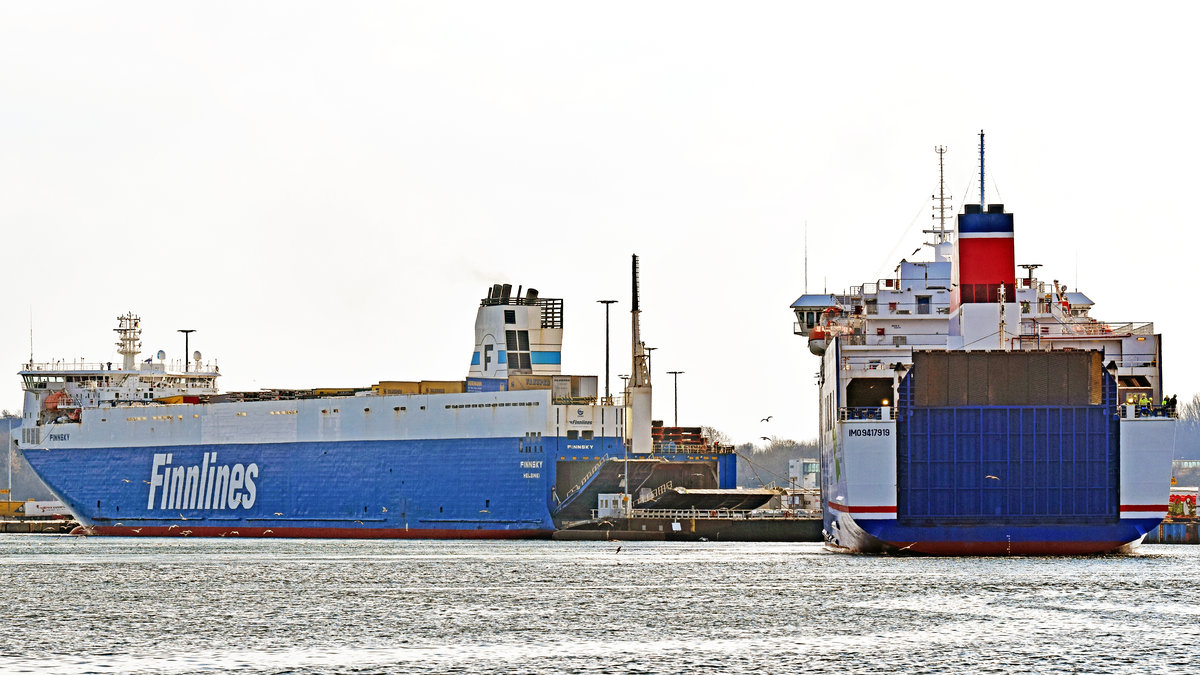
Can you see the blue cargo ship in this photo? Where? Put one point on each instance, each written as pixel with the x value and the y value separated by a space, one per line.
pixel 143 447
pixel 964 410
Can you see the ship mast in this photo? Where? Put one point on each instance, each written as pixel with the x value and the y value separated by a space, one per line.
pixel 982 204
pixel 640 393
pixel 129 332
pixel 941 207
pixel 641 374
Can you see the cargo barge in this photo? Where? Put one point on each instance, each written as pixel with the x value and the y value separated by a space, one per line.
pixel 964 410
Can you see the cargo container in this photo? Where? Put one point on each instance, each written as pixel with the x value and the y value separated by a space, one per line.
pixel 477 385
pixel 395 388
pixel 529 382
pixel 442 387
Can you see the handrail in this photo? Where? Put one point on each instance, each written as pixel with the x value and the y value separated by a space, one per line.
pixel 574 492
pixel 658 492
pixel 720 514
pixel 1093 327
pixel 172 367
pixel 1158 411
pixel 848 414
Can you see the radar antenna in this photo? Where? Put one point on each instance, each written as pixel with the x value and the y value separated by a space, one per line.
pixel 1029 268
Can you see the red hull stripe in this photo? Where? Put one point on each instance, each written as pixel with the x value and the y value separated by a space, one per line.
pixel 1152 508
pixel 259 531
pixel 862 509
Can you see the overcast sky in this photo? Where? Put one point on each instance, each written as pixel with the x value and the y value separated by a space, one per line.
pixel 325 191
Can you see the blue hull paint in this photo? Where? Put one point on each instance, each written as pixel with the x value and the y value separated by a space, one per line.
pixel 887 536
pixel 1124 530
pixel 450 487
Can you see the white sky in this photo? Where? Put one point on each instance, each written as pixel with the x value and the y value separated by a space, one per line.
pixel 325 191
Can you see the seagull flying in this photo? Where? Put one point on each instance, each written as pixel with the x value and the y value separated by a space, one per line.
pixel 992 477
pixel 764 438
pixel 767 418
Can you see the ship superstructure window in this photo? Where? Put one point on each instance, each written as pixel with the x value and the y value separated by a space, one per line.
pixel 872 306
pixel 510 316
pixel 517 343
pixel 923 304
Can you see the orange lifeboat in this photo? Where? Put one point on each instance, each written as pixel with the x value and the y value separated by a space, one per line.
pixel 54 399
pixel 818 337
pixel 818 340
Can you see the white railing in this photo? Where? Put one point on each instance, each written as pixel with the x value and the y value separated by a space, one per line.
pixel 722 514
pixel 1089 328
pixel 883 414
pixel 658 492
pixel 1132 410
pixel 176 366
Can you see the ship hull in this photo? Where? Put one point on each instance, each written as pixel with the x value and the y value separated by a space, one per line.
pixel 995 478
pixel 445 488
pixel 886 536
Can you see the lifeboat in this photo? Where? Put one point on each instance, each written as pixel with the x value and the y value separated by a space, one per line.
pixel 55 399
pixel 818 337
pixel 818 340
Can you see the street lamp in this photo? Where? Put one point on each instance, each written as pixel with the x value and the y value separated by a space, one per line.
pixel 186 333
pixel 676 373
pixel 607 393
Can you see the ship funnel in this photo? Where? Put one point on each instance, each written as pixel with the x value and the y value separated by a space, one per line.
pixel 984 263
pixel 515 338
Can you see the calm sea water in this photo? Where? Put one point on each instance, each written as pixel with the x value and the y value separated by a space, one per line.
pixel 109 605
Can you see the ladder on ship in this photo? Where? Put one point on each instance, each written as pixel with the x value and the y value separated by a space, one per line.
pixel 582 484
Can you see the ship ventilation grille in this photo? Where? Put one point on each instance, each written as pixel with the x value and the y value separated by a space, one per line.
pixel 31 436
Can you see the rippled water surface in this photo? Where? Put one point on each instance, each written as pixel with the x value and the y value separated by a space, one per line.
pixel 108 605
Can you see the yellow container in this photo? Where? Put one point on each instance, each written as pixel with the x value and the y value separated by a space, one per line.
pixel 393 388
pixel 528 382
pixel 443 387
